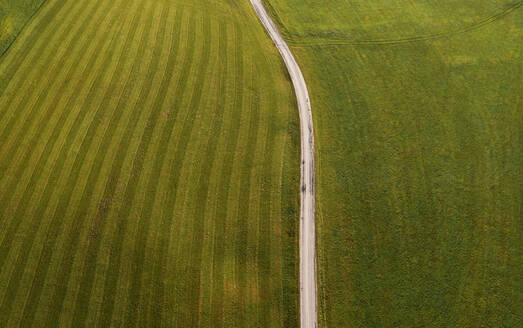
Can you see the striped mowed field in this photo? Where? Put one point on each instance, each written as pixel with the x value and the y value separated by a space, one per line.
pixel 149 168
pixel 14 14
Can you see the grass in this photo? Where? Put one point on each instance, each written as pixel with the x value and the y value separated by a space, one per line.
pixel 14 15
pixel 417 112
pixel 149 168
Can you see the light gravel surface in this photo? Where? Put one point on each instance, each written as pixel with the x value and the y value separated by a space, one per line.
pixel 308 305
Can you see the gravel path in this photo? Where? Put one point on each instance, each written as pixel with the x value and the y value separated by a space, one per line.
pixel 308 307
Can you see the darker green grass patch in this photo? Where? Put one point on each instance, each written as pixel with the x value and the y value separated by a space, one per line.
pixel 419 156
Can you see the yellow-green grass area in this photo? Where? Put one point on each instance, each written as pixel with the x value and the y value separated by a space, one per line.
pixel 14 14
pixel 149 169
pixel 417 107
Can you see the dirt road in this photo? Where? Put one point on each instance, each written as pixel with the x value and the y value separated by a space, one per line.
pixel 308 308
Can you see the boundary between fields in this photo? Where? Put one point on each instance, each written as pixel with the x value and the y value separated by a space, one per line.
pixel 308 298
pixel 23 27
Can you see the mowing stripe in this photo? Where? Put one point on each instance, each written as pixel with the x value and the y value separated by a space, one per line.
pixel 158 305
pixel 26 23
pixel 225 178
pixel 23 253
pixel 90 260
pixel 207 186
pixel 140 269
pixel 159 100
pixel 10 63
pixel 269 279
pixel 267 276
pixel 216 130
pixel 55 225
pixel 72 236
pixel 162 150
pixel 89 266
pixel 165 76
pixel 62 29
pixel 194 148
pixel 204 191
pixel 271 276
pixel 43 158
pixel 135 286
pixel 188 121
pixel 28 27
pixel 264 254
pixel 60 60
pixel 25 91
pixel 14 224
pixel 22 165
pixel 136 150
pixel 147 140
pixel 258 255
pixel 243 203
pixel 193 287
pixel 131 188
pixel 30 93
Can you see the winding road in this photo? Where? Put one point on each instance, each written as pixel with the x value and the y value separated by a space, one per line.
pixel 308 307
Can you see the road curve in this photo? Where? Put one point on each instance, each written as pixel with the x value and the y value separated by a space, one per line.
pixel 308 308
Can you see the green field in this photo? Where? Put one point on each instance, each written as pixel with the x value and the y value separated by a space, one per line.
pixel 149 168
pixel 14 14
pixel 417 107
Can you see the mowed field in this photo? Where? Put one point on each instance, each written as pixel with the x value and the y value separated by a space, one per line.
pixel 14 14
pixel 149 169
pixel 418 117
